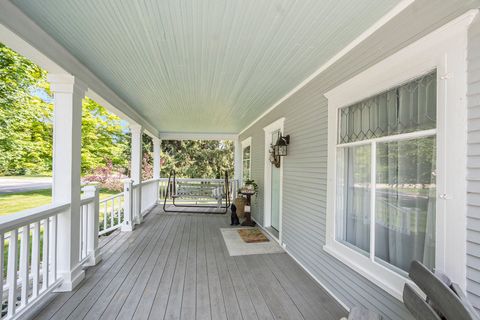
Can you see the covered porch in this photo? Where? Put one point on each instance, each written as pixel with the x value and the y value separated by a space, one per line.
pixel 255 73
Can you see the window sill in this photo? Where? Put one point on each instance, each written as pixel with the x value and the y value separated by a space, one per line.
pixel 381 276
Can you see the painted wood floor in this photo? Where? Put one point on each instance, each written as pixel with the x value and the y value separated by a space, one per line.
pixel 176 266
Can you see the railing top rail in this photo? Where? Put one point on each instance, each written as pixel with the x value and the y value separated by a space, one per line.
pixel 87 200
pixel 149 181
pixel 111 197
pixel 24 217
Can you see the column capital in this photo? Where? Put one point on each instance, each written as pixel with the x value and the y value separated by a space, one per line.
pixel 136 128
pixel 65 83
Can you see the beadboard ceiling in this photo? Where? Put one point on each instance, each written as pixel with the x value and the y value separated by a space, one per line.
pixel 208 66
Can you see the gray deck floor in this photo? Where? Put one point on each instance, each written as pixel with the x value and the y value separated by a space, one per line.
pixel 176 266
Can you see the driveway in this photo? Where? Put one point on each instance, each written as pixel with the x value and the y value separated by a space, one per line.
pixel 21 184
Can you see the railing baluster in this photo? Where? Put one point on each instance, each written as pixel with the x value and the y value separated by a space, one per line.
pixel 53 250
pixel 24 259
pixel 12 272
pixel 113 213
pixel 85 230
pixel 2 263
pixel 46 254
pixel 105 216
pixel 119 212
pixel 35 259
pixel 80 253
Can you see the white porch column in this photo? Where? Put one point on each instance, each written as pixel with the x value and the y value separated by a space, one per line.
pixel 68 94
pixel 157 145
pixel 237 159
pixel 136 170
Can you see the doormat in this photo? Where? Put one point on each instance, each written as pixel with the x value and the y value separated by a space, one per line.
pixel 252 235
pixel 236 246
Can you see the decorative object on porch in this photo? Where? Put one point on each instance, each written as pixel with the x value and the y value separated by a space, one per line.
pixel 273 158
pixel 252 235
pixel 281 147
pixel 197 191
pixel 240 203
pixel 234 217
pixel 237 247
pixel 248 215
pixel 250 186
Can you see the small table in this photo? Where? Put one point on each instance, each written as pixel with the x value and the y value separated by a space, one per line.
pixel 248 215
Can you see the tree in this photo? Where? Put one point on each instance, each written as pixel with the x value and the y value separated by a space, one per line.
pixel 197 158
pixel 25 118
pixel 104 139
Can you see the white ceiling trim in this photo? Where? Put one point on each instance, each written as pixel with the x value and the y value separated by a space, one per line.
pixel 377 25
pixel 197 136
pixel 23 35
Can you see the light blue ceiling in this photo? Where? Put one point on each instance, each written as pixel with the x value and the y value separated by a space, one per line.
pixel 204 66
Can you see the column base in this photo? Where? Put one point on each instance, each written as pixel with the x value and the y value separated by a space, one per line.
pixel 126 227
pixel 139 220
pixel 71 279
pixel 94 259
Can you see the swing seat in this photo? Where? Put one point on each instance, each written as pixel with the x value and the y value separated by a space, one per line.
pixel 197 190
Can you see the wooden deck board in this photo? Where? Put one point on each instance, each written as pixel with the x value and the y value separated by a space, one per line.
pixel 176 266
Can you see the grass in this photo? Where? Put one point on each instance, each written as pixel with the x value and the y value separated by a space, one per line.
pixel 14 202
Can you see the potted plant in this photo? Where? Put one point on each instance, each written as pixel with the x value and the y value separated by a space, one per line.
pixel 250 186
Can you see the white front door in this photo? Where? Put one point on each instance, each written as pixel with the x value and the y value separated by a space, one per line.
pixel 273 182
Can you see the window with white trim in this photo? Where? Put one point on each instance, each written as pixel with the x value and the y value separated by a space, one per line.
pixel 246 159
pixel 397 145
pixel 386 186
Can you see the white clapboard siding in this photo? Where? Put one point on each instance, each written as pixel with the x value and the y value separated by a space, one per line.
pixel 473 164
pixel 305 167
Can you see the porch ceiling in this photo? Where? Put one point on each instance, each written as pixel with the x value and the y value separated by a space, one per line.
pixel 204 66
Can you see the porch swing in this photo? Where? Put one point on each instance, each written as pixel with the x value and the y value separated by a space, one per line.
pixel 197 195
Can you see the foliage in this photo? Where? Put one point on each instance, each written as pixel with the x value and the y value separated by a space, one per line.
pixel 25 119
pixel 107 178
pixel 197 158
pixel 251 182
pixel 104 141
pixel 26 115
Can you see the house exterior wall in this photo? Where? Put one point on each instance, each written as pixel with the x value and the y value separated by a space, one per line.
pixel 305 167
pixel 473 165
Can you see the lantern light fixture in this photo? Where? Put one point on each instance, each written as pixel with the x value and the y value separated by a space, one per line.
pixel 281 147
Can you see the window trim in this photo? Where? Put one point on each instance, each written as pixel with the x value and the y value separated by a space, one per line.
pixel 247 143
pixel 444 50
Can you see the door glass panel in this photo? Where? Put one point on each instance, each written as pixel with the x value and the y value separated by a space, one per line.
pixel 275 199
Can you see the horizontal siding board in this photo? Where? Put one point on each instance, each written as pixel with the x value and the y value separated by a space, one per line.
pixel 473 166
pixel 305 168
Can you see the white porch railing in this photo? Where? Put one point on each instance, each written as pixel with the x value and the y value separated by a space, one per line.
pixel 30 238
pixel 234 186
pixel 89 254
pixel 149 195
pixel 111 213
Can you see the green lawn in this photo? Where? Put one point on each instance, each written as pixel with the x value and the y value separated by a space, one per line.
pixel 14 202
